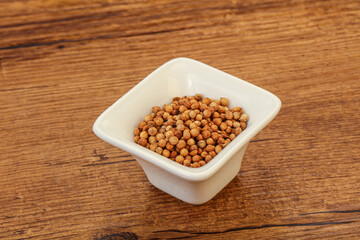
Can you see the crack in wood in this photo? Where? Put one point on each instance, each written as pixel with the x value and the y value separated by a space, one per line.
pixel 106 163
pixel 256 227
pixel 119 236
pixel 334 211
pixel 101 37
pixel 263 140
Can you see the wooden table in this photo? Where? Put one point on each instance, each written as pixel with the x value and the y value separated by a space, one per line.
pixel 63 62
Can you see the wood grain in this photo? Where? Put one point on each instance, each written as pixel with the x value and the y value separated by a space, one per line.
pixel 63 62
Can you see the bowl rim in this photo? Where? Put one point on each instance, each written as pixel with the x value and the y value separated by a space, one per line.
pixel 191 174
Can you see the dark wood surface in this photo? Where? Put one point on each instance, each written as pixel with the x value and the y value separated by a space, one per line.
pixel 63 62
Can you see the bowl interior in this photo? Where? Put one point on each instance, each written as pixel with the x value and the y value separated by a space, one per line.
pixel 180 77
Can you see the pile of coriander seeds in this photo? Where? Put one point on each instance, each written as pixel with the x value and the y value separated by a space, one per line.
pixel 191 130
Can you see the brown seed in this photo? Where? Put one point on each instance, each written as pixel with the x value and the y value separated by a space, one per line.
pixel 193 147
pixel 224 101
pixel 223 126
pixel 228 115
pixel 186 134
pixel 179 159
pixel 210 141
pixel 192 99
pixel 179 122
pixel 187 104
pixel 218 148
pixel 160 113
pixel 229 123
pixel 141 125
pixel 204 123
pixel 236 124
pixel 184 116
pixel 195 105
pixel 210 148
pixel 214 128
pixel 237 131
pixel 236 115
pixel 198 97
pixel 153 146
pixel 151 124
pixel 152 139
pixel 142 142
pixel 190 142
pixel 178 133
pixel 166 153
pixel 166 115
pixel 152 131
pixel 182 109
pixel 196 158
pixel 244 117
pixel 232 136
pixel 194 132
pixel 212 110
pixel 206 134
pixel 214 105
pixel 207 101
pixel 215 136
pixel 216 115
pixel 207 127
pixel 169 146
pixel 159 150
pixel 202 163
pixel 192 114
pixel 180 127
pixel 148 118
pixel 137 131
pixel 203 154
pixel 159 121
pixel 208 158
pixel 159 136
pixel 212 153
pixel 237 109
pixel 144 134
pixel 193 153
pixel 156 109
pixel 198 123
pixel 195 165
pixel 146 127
pixel 221 109
pixel 162 143
pixel 228 130
pixel 198 117
pixel 181 144
pixel 184 152
pixel 221 140
pixel 201 144
pixel 217 121
pixel 187 162
pixel 169 134
pixel 242 125
pixel 136 138
pixel 207 113
pixel 168 108
pixel 187 123
pixel 173 140
pixel 173 154
pixel 170 122
pixel 192 125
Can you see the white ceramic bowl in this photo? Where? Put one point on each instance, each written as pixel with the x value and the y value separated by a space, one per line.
pixel 176 78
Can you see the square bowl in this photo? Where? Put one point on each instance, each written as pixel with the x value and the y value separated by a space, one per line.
pixel 176 78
